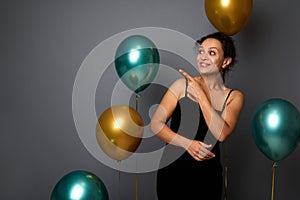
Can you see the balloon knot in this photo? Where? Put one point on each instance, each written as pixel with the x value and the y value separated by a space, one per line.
pixel 138 96
pixel 275 165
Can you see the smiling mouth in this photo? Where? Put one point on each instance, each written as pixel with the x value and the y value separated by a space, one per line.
pixel 203 64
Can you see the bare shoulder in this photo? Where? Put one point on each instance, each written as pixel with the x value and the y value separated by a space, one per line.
pixel 236 96
pixel 179 82
pixel 178 87
pixel 237 93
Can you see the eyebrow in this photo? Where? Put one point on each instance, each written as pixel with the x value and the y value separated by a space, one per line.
pixel 208 48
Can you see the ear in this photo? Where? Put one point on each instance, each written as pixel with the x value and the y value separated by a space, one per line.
pixel 226 62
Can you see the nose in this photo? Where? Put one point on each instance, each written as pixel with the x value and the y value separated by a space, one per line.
pixel 203 56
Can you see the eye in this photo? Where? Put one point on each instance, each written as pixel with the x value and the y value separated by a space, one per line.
pixel 201 51
pixel 212 53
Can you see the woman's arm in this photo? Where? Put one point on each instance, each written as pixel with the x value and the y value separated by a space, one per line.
pixel 198 150
pixel 221 126
pixel 163 113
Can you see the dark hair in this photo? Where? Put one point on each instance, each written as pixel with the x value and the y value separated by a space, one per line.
pixel 228 47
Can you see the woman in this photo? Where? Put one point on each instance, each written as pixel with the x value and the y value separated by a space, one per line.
pixel 197 173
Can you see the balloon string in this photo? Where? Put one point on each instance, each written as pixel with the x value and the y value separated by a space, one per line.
pixel 136 176
pixel 136 184
pixel 137 101
pixel 273 180
pixel 226 171
pixel 119 189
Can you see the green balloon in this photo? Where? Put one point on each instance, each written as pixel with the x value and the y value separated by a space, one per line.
pixel 276 128
pixel 79 185
pixel 137 62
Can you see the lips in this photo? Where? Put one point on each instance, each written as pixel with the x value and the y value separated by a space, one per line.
pixel 203 64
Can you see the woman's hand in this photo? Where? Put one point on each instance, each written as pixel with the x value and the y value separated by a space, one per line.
pixel 193 88
pixel 200 151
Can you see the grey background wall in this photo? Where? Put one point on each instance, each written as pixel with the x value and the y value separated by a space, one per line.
pixel 43 44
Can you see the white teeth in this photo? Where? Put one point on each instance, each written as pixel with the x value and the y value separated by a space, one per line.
pixel 204 64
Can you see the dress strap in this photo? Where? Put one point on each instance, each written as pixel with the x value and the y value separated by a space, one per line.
pixel 226 99
pixel 186 87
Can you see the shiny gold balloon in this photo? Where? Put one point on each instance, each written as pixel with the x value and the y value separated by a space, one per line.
pixel 228 16
pixel 119 131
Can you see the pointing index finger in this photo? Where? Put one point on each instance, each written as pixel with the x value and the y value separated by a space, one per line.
pixel 186 75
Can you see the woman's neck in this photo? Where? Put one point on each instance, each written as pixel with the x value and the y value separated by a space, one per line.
pixel 213 81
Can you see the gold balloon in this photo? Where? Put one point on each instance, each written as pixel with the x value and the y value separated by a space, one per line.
pixel 228 16
pixel 119 131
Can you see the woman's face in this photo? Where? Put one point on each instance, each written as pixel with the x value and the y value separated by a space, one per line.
pixel 210 57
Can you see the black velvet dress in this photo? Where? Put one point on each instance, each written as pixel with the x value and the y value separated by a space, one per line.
pixel 180 176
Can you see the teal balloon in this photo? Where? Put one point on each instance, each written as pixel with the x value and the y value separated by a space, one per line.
pixel 137 62
pixel 79 185
pixel 275 128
